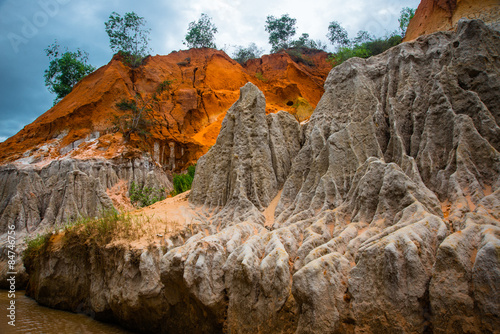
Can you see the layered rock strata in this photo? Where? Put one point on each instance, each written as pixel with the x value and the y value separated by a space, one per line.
pixel 388 219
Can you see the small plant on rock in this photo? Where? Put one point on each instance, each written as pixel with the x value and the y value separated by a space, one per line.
pixel 145 196
pixel 260 76
pixel 35 244
pixel 137 115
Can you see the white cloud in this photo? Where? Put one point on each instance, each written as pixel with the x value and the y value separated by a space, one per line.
pixel 243 22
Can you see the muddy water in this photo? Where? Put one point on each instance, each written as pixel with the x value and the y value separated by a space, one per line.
pixel 36 319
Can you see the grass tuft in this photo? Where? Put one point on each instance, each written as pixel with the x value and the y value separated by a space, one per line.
pixel 183 182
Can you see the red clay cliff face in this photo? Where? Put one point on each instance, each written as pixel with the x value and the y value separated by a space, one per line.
pixel 205 83
pixel 442 15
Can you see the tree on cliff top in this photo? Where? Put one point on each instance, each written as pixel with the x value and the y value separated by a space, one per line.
pixel 201 34
pixel 128 36
pixel 243 54
pixel 407 14
pixel 280 31
pixel 65 70
pixel 338 35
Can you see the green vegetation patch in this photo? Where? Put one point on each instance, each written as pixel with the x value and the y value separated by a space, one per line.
pixel 102 230
pixel 183 182
pixel 35 244
pixel 145 196
pixel 367 49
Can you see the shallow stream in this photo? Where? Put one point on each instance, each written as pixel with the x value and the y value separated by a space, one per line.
pixel 36 319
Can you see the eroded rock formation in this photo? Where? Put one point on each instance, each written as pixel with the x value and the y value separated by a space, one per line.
pixel 388 219
pixel 397 157
pixel 36 199
pixel 67 189
pixel 250 161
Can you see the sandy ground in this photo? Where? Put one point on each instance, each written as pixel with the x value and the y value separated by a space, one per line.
pixel 165 218
pixel 175 213
pixel 118 195
pixel 269 211
pixel 171 216
pixel 173 209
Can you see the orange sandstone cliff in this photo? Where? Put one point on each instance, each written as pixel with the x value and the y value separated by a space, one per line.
pixel 441 15
pixel 204 84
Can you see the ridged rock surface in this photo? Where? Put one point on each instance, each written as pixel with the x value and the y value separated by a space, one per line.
pixel 66 189
pixel 380 202
pixel 250 161
pixel 388 219
pixel 36 199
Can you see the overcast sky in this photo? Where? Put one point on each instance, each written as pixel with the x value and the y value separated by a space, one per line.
pixel 27 27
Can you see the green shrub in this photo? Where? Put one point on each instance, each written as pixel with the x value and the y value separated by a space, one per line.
pixel 260 76
pixel 367 49
pixel 164 86
pixel 183 182
pixel 145 196
pixel 304 42
pixel 242 54
pixel 111 224
pixel 380 45
pixel 137 116
pixel 34 244
pixel 298 57
pixel 85 231
pixel 345 53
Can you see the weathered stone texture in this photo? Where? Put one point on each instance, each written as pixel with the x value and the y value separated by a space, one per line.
pixel 65 189
pixel 388 220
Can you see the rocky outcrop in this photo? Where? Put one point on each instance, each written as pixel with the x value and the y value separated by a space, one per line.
pixel 397 156
pixel 35 200
pixel 442 15
pixel 67 189
pixel 250 161
pixel 80 271
pixel 465 284
pixel 388 219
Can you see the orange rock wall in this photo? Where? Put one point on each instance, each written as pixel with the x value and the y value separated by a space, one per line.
pixel 441 15
pixel 205 83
